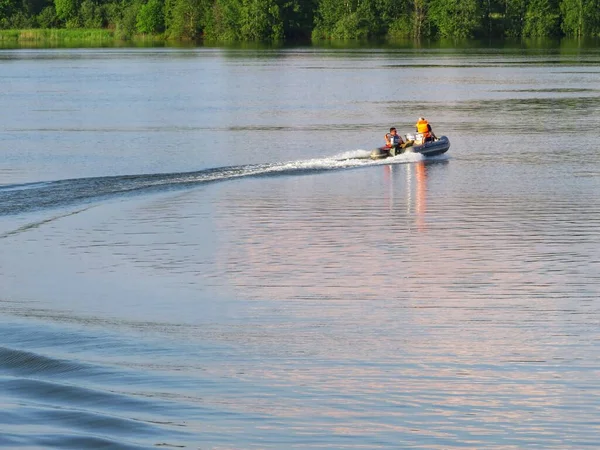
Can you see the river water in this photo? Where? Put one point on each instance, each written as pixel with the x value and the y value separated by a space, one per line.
pixel 194 253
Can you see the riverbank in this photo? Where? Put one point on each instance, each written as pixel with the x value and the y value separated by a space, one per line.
pixel 103 37
pixel 61 37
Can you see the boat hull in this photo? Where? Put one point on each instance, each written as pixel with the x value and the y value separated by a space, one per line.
pixel 432 148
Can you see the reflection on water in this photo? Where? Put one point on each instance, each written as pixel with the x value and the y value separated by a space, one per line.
pixel 416 201
pixel 421 202
pixel 265 287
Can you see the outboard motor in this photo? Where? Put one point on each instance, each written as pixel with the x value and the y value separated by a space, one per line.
pixel 380 153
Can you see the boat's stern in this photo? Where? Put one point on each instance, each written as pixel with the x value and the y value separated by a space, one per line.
pixel 380 153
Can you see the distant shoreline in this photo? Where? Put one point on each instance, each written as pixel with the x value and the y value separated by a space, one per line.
pixel 62 36
pixel 105 37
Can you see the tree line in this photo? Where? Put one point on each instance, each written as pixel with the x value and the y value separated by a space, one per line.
pixel 292 20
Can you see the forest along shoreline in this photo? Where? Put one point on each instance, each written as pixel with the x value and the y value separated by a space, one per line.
pixel 106 21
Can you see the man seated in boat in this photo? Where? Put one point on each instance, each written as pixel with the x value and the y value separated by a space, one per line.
pixel 393 139
pixel 424 129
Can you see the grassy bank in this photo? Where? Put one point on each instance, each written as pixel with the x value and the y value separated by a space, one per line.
pixel 66 37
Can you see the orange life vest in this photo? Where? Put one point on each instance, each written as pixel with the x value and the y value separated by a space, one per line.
pixel 423 128
pixel 392 139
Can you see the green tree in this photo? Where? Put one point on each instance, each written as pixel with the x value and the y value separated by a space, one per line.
pixel 122 17
pixel 33 7
pixel 541 19
pixel 66 9
pixel 150 18
pixel 47 17
pixel 349 27
pixel 580 17
pixel 90 14
pixel 573 17
pixel 456 18
pixel 260 20
pixel 401 28
pixel 297 17
pixel 222 21
pixel 593 15
pixel 328 14
pixel 514 17
pixel 347 19
pixel 20 20
pixel 112 13
pixel 492 23
pixel 395 16
pixel 184 18
pixel 7 7
pixel 420 18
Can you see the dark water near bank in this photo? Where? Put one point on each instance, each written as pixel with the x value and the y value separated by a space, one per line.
pixel 195 253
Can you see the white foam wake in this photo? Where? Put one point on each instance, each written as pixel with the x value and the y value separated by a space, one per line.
pixel 353 154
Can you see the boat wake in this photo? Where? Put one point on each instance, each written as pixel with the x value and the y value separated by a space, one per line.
pixel 22 198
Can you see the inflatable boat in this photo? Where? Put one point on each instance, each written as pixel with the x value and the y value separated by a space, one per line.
pixel 414 144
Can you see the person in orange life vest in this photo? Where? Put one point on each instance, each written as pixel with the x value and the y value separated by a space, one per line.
pixel 424 128
pixel 393 139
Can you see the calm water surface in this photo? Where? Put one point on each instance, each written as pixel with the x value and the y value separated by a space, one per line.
pixel 195 255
